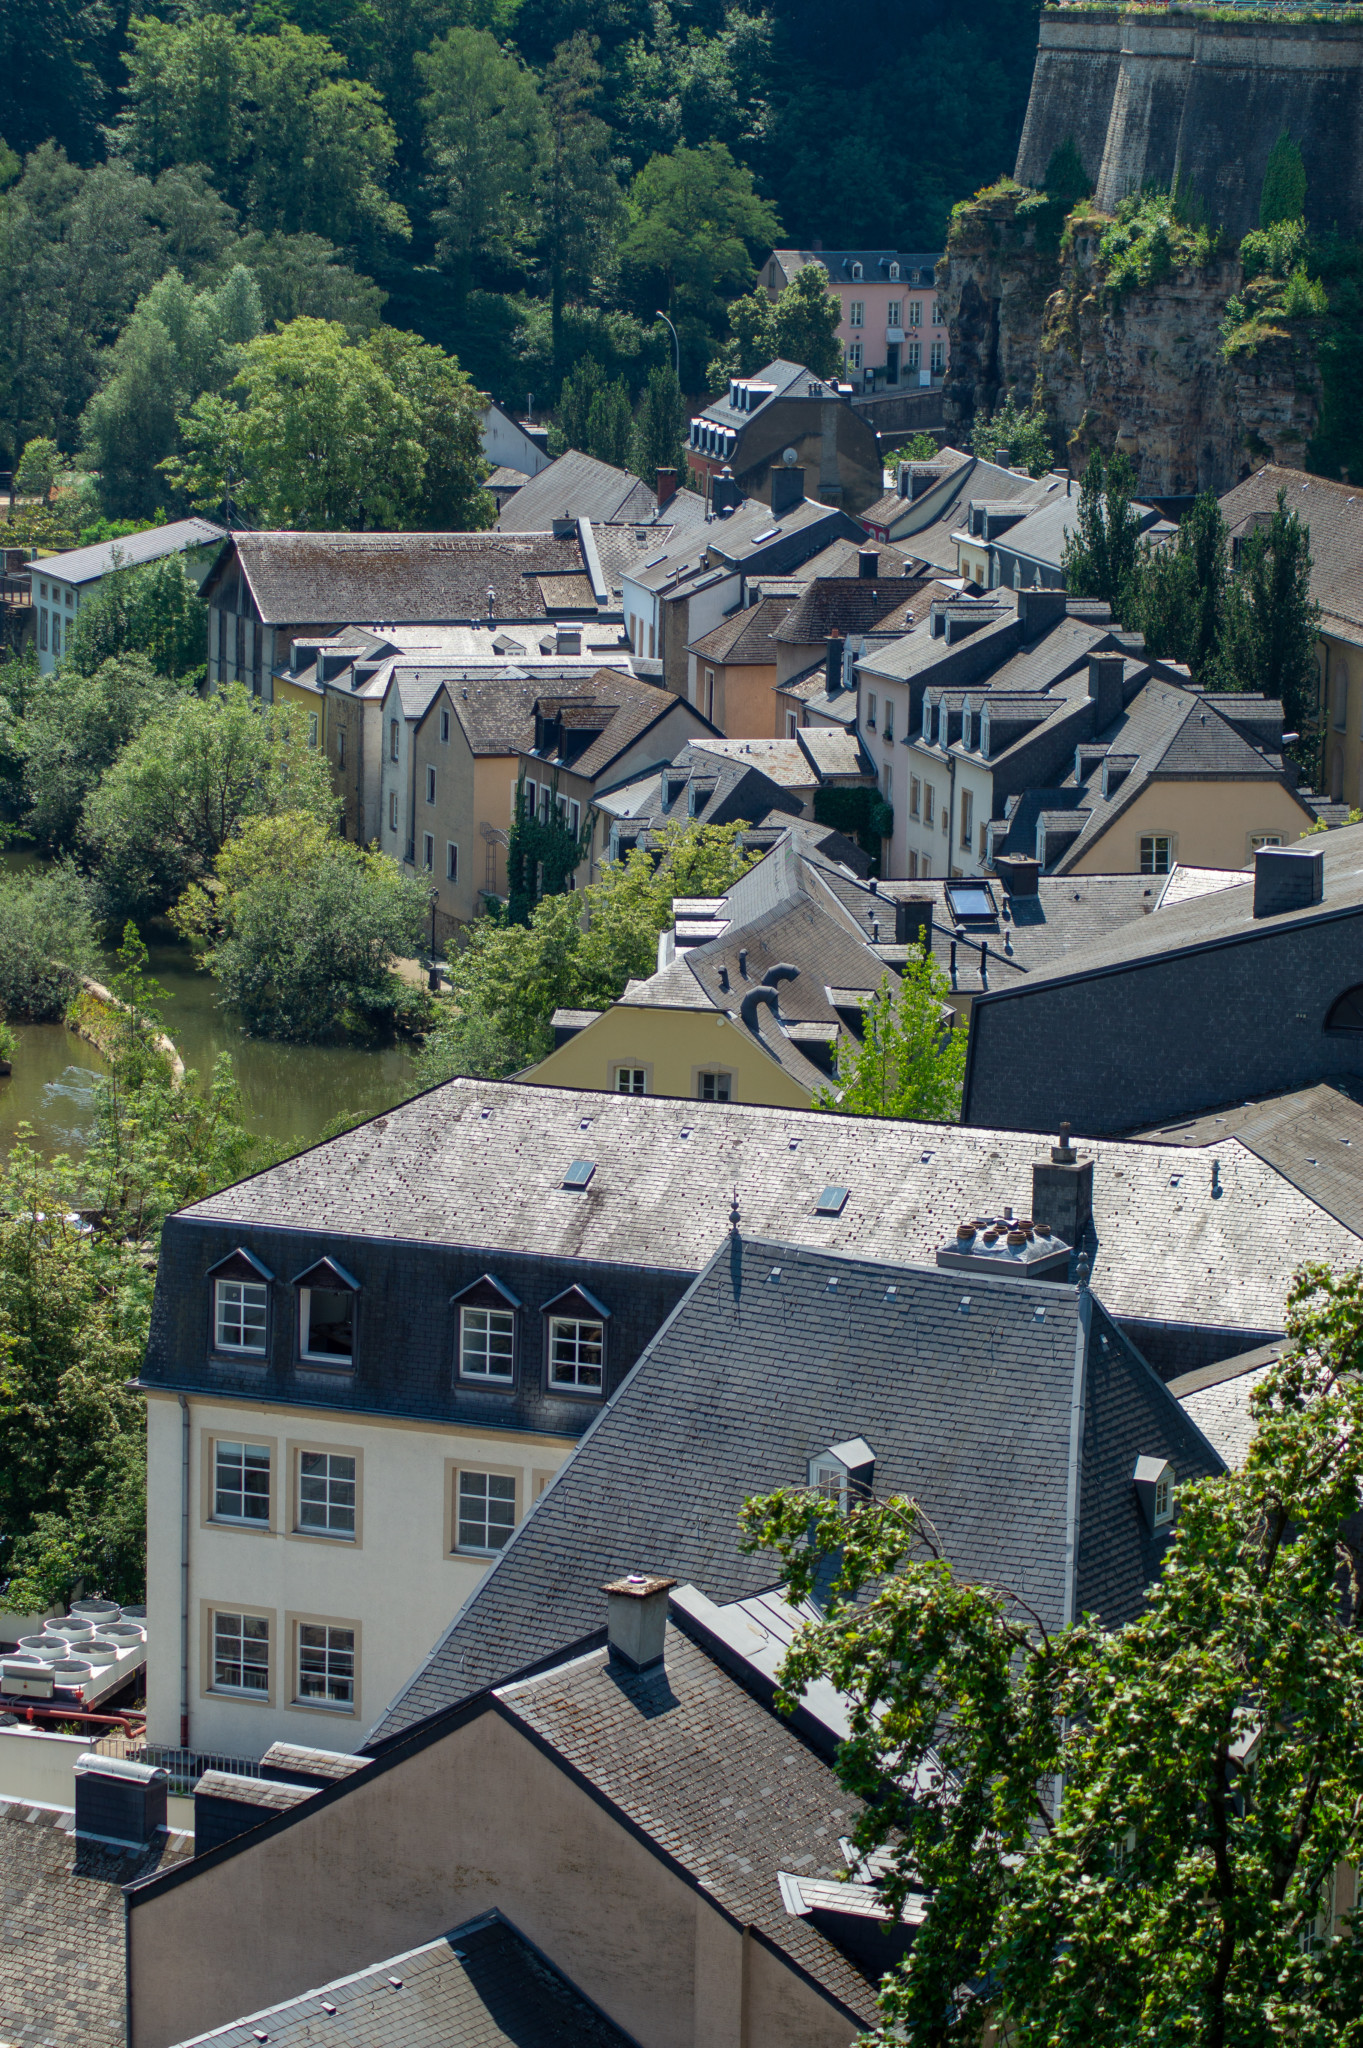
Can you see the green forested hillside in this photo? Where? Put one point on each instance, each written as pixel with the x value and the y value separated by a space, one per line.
pixel 511 180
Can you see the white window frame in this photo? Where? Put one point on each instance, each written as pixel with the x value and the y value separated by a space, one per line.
pixel 637 1083
pixel 856 313
pixel 335 1663
pixel 571 1368
pixel 259 1297
pixel 939 358
pixel 259 1634
pixel 894 313
pixel 967 819
pixel 716 1076
pixel 474 1499
pixel 915 312
pixel 1156 840
pixel 327 1489
pixel 254 1458
pixel 478 1327
pixel 1164 1500
pixel 856 273
pixel 914 794
pixel 854 355
pixel 887 729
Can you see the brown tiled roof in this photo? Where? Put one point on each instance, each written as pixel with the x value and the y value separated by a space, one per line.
pixel 745 637
pixel 401 578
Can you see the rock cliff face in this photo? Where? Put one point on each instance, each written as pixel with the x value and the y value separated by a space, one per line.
pixel 1142 370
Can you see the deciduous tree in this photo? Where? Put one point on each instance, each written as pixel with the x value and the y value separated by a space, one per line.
pixel 1102 549
pixel 485 140
pixel 911 1058
pixel 695 221
pixel 1272 624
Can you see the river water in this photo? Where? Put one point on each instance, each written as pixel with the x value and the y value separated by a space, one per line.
pixel 290 1092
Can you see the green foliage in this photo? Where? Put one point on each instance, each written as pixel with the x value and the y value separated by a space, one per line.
pixel 1066 179
pixel 72 730
pixel 153 610
pixel 910 1062
pixel 861 813
pixel 918 448
pixel 288 141
pixel 752 340
pixel 320 431
pixel 1150 236
pixel 580 203
pixel 1278 287
pixel 1122 1835
pixel 37 468
pixel 177 344
pixel 485 140
pixel 660 428
pixel 594 415
pixel 47 940
pixel 1102 548
pixel 188 783
pixel 1336 448
pixel 695 221
pixel 1024 435
pixel 542 854
pixel 1272 624
pixel 302 929
pixel 807 315
pixel 1178 597
pixel 1275 250
pixel 509 978
pixel 1284 191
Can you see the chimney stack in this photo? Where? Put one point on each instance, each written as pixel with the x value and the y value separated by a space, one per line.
pixel 787 488
pixel 913 921
pixel 1287 878
pixel 666 486
pixel 1039 610
pixel 1105 688
pixel 636 1619
pixel 119 1801
pixel 1062 1191
pixel 725 493
pixel 833 664
pixel 1018 872
pixel 868 563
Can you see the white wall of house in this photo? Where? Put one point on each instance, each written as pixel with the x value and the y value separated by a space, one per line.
pixel 56 604
pixel 391 1589
pixel 507 447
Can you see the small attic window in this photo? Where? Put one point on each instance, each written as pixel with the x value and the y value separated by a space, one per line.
pixel 894 270
pixel 844 1471
pixel 579 1174
pixel 1155 1484
pixel 832 1201
pixel 856 273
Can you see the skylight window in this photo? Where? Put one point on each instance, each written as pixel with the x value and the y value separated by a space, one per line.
pixel 971 901
pixel 832 1201
pixel 579 1174
pixel 767 533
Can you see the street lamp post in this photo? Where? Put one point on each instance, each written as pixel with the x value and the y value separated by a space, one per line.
pixel 433 978
pixel 676 345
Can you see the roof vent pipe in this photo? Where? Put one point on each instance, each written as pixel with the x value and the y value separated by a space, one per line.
pixel 783 971
pixel 754 1000
pixel 636 1619
pixel 833 665
pixel 743 961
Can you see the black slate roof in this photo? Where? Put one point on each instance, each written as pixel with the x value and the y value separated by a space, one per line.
pixel 1314 1137
pixel 480 1986
pixel 577 486
pixel 969 1389
pixel 401 578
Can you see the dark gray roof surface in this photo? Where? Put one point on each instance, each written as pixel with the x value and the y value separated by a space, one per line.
pixel 497 717
pixel 481 1163
pixel 401 578
pixel 935 542
pixel 481 1986
pixel 745 637
pixel 1334 514
pixel 634 705
pixel 840 558
pixel 87 565
pixel 1313 1137
pixel 775 1354
pixel 576 486
pixel 851 604
pixel 785 378
pixel 712 1776
pixel 62 1968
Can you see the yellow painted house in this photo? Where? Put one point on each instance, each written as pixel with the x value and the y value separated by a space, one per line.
pixel 755 1008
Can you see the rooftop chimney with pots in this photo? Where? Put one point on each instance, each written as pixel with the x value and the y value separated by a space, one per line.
pixel 666 486
pixel 1007 1245
pixel 868 563
pixel 787 488
pixel 1287 878
pixel 725 494
pixel 1062 1191
pixel 1039 610
pixel 833 664
pixel 1019 873
pixel 636 1619
pixel 913 921
pixel 1105 688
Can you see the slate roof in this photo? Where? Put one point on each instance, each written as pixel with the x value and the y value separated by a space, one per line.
pixel 751 532
pixel 1314 1138
pixel 634 707
pixel 783 762
pixel 401 578
pixel 481 1163
pixel 875 264
pixel 87 565
pixel 1334 514
pixel 789 380
pixel 849 604
pixel 62 1962
pixel 1218 1398
pixel 480 1986
pixel 840 558
pixel 712 1776
pixel 1041 536
pixel 620 548
pixel 744 639
pixel 775 1354
pixel 935 540
pixel 577 486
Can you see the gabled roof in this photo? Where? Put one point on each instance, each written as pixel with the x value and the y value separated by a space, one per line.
pixel 787 380
pixel 751 533
pixel 841 558
pixel 480 1986
pixel 964 1386
pixel 480 1164
pixel 625 709
pixel 1334 514
pixel 1041 536
pixel 849 604
pixel 745 638
pixel 87 565
pixel 577 486
pixel 1314 1137
pixel 401 578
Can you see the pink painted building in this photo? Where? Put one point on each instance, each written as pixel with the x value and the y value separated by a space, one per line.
pixel 893 330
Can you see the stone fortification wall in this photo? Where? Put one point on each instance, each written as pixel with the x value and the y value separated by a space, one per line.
pixel 1155 98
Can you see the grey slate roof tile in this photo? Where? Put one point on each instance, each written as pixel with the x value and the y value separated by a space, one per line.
pixel 401 578
pixel 577 486
pixel 481 1986
pixel 1313 1137
pixel 776 1353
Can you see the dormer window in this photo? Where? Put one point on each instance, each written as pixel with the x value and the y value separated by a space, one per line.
pixel 241 1299
pixel 856 273
pixel 576 1342
pixel 326 1315
pixel 1154 1481
pixel 844 1472
pixel 927 720
pixel 487 1333
pixel 894 272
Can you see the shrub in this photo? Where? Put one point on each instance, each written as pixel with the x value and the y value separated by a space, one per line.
pixel 47 941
